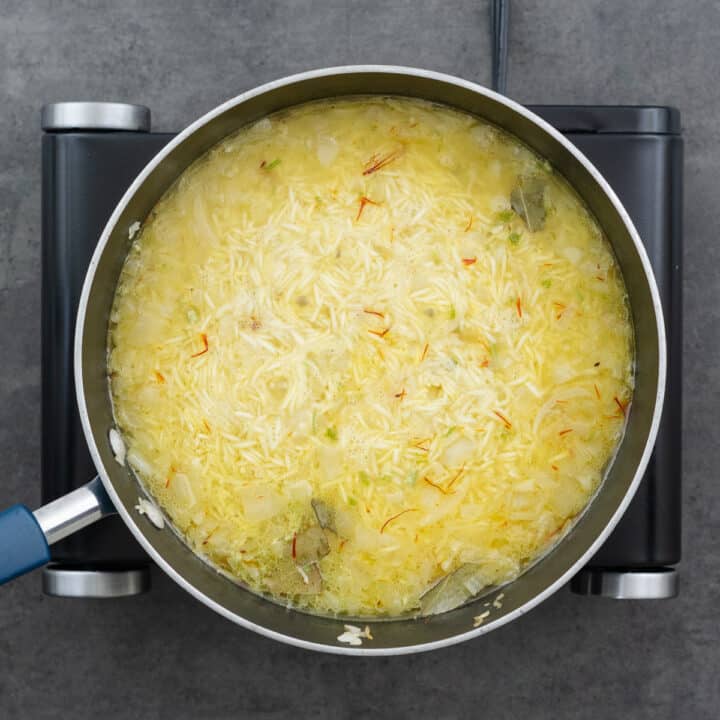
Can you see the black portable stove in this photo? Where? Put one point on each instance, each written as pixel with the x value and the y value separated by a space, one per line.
pixel 91 152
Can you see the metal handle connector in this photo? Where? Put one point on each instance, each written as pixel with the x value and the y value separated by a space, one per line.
pixel 74 511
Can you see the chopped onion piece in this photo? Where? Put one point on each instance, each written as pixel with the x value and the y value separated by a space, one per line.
pixel 133 230
pixel 117 446
pixel 145 507
pixel 327 150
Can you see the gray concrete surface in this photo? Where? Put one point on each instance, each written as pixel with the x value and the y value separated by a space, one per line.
pixel 163 655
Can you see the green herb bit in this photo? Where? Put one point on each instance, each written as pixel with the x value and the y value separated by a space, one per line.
pixel 505 216
pixel 272 165
pixel 514 238
pixel 352 501
pixel 331 432
pixel 546 283
pixel 364 477
pixel 451 430
pixel 453 313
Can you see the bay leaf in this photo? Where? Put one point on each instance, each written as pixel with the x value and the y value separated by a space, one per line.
pixel 287 580
pixel 324 513
pixel 528 201
pixel 311 545
pixel 453 590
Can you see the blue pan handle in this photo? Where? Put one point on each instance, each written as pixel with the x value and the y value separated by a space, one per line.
pixel 25 536
pixel 23 546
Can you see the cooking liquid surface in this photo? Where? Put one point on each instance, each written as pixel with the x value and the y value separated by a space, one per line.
pixel 370 356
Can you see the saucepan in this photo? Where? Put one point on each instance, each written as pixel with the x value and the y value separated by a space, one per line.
pixel 25 536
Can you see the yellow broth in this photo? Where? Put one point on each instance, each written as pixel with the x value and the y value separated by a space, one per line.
pixel 360 304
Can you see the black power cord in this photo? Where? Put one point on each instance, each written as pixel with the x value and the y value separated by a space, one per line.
pixel 500 18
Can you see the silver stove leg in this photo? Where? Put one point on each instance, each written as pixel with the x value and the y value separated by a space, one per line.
pixel 62 581
pixel 655 584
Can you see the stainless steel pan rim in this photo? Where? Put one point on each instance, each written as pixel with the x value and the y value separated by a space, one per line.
pixel 131 522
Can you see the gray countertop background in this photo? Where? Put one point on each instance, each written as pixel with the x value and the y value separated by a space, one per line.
pixel 165 655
